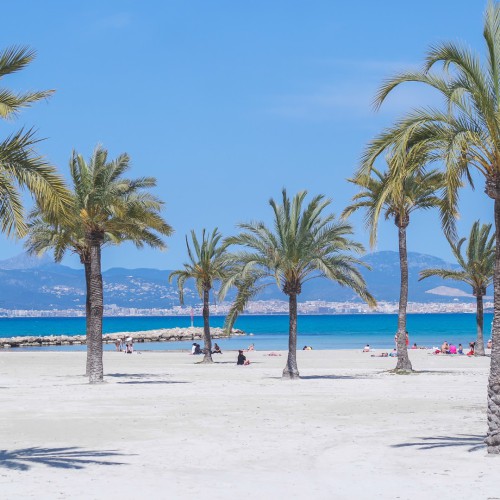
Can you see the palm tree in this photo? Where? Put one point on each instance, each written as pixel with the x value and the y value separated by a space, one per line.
pixel 477 267
pixel 398 197
pixel 304 244
pixel 20 165
pixel 207 264
pixel 466 134
pixel 62 234
pixel 106 208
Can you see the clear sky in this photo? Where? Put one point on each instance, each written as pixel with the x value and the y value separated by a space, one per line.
pixel 227 102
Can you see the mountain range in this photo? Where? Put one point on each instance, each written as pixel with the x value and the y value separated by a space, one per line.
pixel 40 284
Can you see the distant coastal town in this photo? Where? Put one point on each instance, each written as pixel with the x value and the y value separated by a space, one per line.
pixel 263 307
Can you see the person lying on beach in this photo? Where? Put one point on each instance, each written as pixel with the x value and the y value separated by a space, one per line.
pixel 216 349
pixel 242 360
pixel 274 354
pixel 381 355
pixel 251 347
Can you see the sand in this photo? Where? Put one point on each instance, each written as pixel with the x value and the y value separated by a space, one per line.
pixel 163 426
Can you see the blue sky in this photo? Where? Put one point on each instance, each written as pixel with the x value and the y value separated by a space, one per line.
pixel 226 102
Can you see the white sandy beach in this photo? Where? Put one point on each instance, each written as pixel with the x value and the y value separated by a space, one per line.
pixel 347 429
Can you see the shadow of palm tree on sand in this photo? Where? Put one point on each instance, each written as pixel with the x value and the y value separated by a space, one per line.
pixel 474 442
pixel 71 457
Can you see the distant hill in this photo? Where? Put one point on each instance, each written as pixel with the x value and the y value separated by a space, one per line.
pixel 29 283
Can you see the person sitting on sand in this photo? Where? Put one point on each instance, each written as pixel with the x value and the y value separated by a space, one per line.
pixel 472 346
pixel 460 349
pixel 197 349
pixel 394 353
pixel 445 348
pixel 307 348
pixel 242 360
pixel 414 346
pixel 216 349
pixel 381 355
pixel 453 349
pixel 251 347
pixel 366 348
pixel 489 344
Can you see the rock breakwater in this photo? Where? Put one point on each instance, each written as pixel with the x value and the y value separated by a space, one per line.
pixel 160 335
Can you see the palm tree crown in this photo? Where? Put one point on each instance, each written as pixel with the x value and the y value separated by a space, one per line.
pixel 396 196
pixel 478 263
pixel 20 165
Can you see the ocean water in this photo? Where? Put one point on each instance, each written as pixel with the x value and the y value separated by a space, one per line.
pixel 350 331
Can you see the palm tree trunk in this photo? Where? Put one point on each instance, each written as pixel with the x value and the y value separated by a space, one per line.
pixel 291 371
pixel 479 348
pixel 403 364
pixel 87 314
pixel 96 312
pixel 493 413
pixel 207 339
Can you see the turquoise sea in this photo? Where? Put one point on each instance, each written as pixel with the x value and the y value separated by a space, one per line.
pixel 350 331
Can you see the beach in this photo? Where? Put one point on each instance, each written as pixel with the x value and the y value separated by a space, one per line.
pixel 163 426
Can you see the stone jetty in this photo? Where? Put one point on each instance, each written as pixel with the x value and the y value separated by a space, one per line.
pixel 160 335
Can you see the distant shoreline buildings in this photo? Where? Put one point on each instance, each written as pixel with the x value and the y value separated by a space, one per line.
pixel 260 307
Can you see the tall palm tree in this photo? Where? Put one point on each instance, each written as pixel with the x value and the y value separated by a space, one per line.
pixel 61 234
pixel 477 268
pixel 304 244
pixel 106 208
pixel 207 264
pixel 466 134
pixel 20 165
pixel 398 197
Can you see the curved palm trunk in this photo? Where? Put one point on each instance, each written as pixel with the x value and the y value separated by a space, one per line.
pixel 291 371
pixel 207 339
pixel 479 348
pixel 87 313
pixel 96 311
pixel 493 437
pixel 403 363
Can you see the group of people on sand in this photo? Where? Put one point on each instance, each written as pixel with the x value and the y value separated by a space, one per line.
pixel 242 360
pixel 125 345
pixel 453 349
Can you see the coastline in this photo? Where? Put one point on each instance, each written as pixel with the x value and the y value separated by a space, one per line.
pixel 354 429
